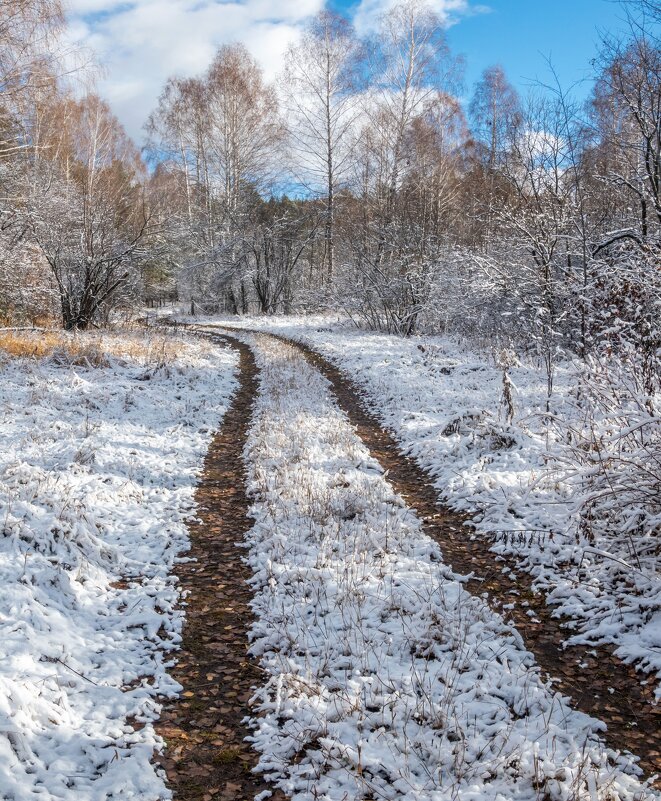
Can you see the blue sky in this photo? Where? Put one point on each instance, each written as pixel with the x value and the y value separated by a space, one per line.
pixel 522 34
pixel 141 42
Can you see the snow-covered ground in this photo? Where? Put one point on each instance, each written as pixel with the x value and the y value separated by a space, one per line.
pixel 445 404
pixel 386 679
pixel 97 473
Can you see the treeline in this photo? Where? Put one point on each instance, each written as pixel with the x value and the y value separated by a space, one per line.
pixel 357 182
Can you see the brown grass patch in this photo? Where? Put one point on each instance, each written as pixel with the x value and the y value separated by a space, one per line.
pixel 92 349
pixel 52 344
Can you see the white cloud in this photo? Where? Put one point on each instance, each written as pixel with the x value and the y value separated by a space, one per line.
pixel 140 43
pixel 367 13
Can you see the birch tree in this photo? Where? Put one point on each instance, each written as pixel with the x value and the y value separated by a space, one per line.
pixel 319 85
pixel 495 112
pixel 219 136
pixel 405 164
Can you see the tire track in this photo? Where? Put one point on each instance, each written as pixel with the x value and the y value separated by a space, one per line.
pixel 207 758
pixel 597 682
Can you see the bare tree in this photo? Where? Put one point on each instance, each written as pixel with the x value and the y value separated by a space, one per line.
pixel 406 166
pixel 495 111
pixel 85 208
pixel 627 114
pixel 218 137
pixel 28 31
pixel 245 130
pixel 273 247
pixel 319 85
pixel 411 65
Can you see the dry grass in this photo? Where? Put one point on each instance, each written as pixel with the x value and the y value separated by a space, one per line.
pixel 93 349
pixel 38 321
pixel 146 347
pixel 51 344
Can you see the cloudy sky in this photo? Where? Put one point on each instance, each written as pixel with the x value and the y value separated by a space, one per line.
pixel 141 42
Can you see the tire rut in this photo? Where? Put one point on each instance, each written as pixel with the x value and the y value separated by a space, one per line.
pixel 596 680
pixel 207 758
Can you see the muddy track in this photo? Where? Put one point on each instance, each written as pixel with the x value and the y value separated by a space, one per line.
pixel 206 758
pixel 597 681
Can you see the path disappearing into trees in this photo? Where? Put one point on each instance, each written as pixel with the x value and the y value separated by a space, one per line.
pixel 207 756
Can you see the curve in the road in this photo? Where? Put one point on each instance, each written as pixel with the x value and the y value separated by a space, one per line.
pixel 596 680
pixel 207 757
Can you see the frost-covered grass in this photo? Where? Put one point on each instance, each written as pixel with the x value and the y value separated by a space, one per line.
pixel 520 481
pixel 98 462
pixel 386 678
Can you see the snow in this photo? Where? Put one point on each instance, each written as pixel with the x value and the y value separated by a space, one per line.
pixel 385 678
pixel 97 473
pixel 444 403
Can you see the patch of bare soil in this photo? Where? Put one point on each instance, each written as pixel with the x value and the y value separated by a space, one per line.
pixel 206 758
